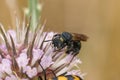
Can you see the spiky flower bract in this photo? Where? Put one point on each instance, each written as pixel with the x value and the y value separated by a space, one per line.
pixel 22 51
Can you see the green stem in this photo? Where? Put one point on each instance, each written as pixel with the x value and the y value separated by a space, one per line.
pixel 33 12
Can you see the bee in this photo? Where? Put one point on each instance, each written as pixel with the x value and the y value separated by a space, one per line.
pixel 67 77
pixel 70 40
pixel 61 77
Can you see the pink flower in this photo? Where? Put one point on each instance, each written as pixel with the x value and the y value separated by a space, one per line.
pixel 22 60
pixel 31 72
pixel 46 61
pixel 37 54
pixel 6 66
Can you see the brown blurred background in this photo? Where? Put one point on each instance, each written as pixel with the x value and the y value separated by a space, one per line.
pixel 99 19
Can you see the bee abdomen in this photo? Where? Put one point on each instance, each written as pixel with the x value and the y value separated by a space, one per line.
pixel 67 77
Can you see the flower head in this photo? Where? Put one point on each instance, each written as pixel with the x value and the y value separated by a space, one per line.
pixel 23 53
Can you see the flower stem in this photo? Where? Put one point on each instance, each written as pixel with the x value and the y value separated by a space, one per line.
pixel 33 12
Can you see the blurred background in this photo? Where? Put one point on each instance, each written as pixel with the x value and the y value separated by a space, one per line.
pixel 99 19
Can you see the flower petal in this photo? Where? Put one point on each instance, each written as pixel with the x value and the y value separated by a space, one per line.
pixel 31 72
pixel 22 60
pixel 6 66
pixel 37 54
pixel 46 61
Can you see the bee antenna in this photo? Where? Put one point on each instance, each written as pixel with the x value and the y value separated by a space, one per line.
pixel 47 40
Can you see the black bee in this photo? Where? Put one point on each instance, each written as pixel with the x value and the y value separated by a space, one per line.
pixel 70 40
pixel 66 77
pixel 61 77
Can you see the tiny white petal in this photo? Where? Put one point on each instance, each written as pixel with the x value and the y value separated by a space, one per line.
pixel 31 72
pixel 46 61
pixel 37 54
pixel 60 61
pixel 22 60
pixel 65 69
pixel 6 66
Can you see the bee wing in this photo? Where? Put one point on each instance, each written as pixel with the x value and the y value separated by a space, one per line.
pixel 81 37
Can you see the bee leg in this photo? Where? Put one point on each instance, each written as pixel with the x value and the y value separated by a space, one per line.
pixel 47 40
pixel 63 74
pixel 43 72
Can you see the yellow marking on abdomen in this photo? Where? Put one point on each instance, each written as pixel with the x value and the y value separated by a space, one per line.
pixel 76 77
pixel 62 78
